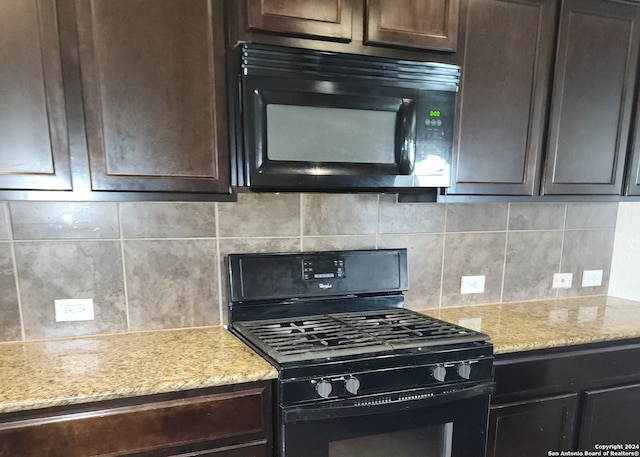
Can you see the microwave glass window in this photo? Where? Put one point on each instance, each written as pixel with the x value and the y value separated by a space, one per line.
pixel 434 441
pixel 316 134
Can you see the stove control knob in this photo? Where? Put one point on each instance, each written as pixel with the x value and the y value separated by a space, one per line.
pixel 352 385
pixel 464 370
pixel 324 388
pixel 439 373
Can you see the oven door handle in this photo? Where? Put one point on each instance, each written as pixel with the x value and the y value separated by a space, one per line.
pixel 314 413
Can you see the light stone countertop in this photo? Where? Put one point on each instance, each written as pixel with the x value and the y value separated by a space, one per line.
pixel 40 374
pixel 526 326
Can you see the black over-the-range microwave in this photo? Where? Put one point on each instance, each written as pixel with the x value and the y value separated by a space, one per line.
pixel 305 120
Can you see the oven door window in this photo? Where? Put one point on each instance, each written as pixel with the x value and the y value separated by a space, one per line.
pixel 429 441
pixel 414 429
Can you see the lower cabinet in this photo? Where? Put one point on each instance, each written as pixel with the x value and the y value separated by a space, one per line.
pixel 544 424
pixel 565 399
pixel 231 421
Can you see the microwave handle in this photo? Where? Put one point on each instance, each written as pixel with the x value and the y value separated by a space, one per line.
pixel 407 135
pixel 310 413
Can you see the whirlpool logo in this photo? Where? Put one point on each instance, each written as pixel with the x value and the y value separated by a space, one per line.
pixel 325 286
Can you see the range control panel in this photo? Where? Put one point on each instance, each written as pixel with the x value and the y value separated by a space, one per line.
pixel 323 268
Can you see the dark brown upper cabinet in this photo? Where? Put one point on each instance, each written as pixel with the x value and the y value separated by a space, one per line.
pixel 355 26
pixel 330 19
pixel 506 68
pixel 153 83
pixel 593 94
pixel 424 24
pixel 546 97
pixel 34 151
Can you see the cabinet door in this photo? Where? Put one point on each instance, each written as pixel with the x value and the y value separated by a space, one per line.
pixel 34 151
pixel 532 428
pixel 317 18
pixel 632 185
pixel 427 24
pixel 504 91
pixel 611 416
pixel 154 92
pixel 593 88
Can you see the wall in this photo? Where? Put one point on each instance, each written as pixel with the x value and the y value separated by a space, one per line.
pixel 161 265
pixel 625 266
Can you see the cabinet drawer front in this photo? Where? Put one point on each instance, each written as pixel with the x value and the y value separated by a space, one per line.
pixel 141 427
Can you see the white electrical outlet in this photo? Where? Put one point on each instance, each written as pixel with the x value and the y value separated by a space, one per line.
pixel 562 280
pixel 591 278
pixel 74 309
pixel 472 284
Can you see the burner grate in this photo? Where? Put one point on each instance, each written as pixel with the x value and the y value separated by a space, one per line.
pixel 334 335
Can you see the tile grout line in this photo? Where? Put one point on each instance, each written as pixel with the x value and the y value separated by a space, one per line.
pixel 7 216
pixel 219 260
pixel 564 234
pixel 301 218
pixel 504 258
pixel 444 246
pixel 124 267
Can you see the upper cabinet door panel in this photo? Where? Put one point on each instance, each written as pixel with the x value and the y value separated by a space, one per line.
pixel 506 70
pixel 34 151
pixel 426 24
pixel 153 83
pixel 593 86
pixel 315 18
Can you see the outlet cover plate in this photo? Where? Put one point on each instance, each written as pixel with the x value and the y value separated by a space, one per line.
pixel 591 278
pixel 472 284
pixel 74 309
pixel 562 280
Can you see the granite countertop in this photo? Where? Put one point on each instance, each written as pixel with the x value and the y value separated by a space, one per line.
pixel 40 374
pixel 526 326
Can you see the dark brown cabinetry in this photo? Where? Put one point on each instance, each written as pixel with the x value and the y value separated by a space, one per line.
pixel 544 424
pixel 593 87
pixel 506 69
pixel 142 109
pixel 419 24
pixel 430 24
pixel 524 130
pixel 328 19
pixel 154 84
pixel 34 151
pixel 565 399
pixel 223 422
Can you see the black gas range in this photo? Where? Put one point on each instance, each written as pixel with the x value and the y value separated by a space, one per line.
pixel 357 370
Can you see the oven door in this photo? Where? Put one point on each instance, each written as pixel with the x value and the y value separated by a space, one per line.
pixel 448 424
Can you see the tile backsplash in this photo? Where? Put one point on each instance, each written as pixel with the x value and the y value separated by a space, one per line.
pixel 151 265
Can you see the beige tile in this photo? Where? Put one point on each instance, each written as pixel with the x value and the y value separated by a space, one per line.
pixel 537 216
pixel 171 283
pixel 70 269
pixel 168 219
pixel 340 214
pixel 476 217
pixel 472 254
pixel 532 259
pixel 587 250
pixel 338 242
pixel 10 327
pixel 259 215
pixel 53 220
pixel 4 227
pixel 591 215
pixel 410 217
pixel 425 266
pixel 249 245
